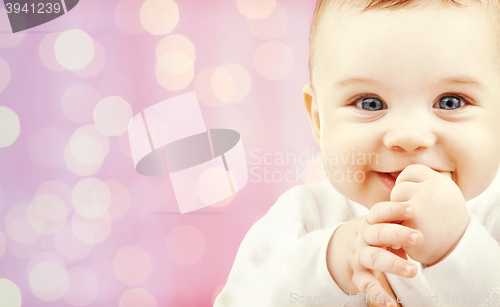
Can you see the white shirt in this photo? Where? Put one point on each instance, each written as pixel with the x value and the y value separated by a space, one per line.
pixel 282 259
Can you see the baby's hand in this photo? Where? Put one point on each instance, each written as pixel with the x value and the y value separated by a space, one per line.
pixel 357 251
pixel 440 211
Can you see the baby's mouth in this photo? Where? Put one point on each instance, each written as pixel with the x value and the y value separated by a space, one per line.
pixel 394 175
pixel 389 179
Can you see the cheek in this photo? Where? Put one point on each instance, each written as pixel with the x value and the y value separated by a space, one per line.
pixel 348 150
pixel 348 166
pixel 477 163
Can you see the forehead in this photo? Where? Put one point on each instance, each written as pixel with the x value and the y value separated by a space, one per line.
pixel 415 41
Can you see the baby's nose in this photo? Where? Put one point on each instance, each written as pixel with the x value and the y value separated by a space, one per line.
pixel 409 137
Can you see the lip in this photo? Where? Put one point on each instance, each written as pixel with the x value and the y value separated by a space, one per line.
pixel 388 179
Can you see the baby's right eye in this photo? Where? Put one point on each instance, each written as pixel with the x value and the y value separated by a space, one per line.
pixel 370 103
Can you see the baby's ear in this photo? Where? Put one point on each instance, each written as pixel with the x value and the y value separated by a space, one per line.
pixel 311 105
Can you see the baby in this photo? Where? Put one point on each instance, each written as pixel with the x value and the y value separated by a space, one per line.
pixel 417 85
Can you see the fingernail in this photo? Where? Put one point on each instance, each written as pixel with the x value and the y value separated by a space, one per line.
pixel 408 269
pixel 407 210
pixel 413 238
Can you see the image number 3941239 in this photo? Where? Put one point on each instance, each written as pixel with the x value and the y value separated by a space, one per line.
pixel 26 14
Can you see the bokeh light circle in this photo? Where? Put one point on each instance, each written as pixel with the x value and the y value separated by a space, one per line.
pixel 241 81
pixel 127 16
pixel 47 53
pixel 222 84
pixel 186 245
pixel 256 9
pixel 175 62
pixel 86 150
pixel 138 297
pixel 159 17
pixel 43 257
pixel 75 154
pixel 274 60
pixel 228 83
pixel 96 64
pixel 76 166
pixel 78 103
pixel 83 287
pixel 19 227
pixel 10 294
pixel 112 115
pixel 270 27
pixel 203 88
pixel 50 207
pixel 176 42
pixel 174 82
pixel 74 49
pixel 47 214
pixel 25 250
pixel 4 74
pixel 56 188
pixel 120 199
pixel 91 198
pixel 35 220
pixel 91 230
pixel 92 131
pixel 49 280
pixel 69 246
pixel 46 147
pixel 132 265
pixel 10 126
pixel 175 68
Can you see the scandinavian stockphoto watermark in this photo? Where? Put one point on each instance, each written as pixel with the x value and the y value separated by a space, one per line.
pixel 308 167
pixel 329 298
pixel 450 299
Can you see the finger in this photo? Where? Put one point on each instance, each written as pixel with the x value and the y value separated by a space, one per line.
pixel 371 287
pixel 387 234
pixel 447 174
pixel 403 191
pixel 415 173
pixel 387 212
pixel 380 259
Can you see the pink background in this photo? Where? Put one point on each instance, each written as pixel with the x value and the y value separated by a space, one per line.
pixel 141 251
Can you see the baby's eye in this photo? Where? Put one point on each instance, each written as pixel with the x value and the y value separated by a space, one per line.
pixel 449 103
pixel 371 104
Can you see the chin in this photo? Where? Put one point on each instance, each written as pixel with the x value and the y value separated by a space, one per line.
pixel 367 196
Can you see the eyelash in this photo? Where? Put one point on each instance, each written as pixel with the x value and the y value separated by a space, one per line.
pixel 462 98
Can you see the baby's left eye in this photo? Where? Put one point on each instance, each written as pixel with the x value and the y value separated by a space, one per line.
pixel 449 103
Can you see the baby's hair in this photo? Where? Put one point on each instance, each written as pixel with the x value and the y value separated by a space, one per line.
pixel 493 6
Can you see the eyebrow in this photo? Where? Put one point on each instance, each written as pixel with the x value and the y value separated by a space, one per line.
pixel 468 81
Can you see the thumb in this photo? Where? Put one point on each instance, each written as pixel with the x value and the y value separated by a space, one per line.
pixel 447 174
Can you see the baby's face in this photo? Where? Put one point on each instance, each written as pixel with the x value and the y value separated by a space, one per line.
pixel 421 89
